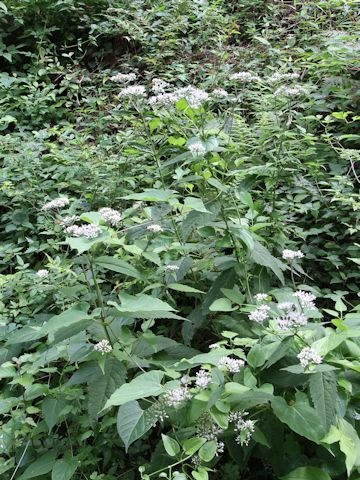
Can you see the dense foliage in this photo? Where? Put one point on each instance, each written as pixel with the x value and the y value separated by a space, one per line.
pixel 179 259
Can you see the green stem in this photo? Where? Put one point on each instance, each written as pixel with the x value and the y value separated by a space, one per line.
pixel 170 466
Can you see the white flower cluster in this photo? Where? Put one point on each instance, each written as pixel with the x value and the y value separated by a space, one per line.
pixel 65 221
pixel 219 93
pixel 244 428
pixel 203 379
pixel 290 91
pixel 163 100
pixel 154 228
pixel 260 314
pixel 207 428
pixel 260 297
pixel 88 231
pixel 291 319
pixel 292 254
pixel 176 396
pixel 123 77
pixel 111 216
pixel 156 412
pixel 308 356
pixel 214 345
pixel 158 85
pixel 197 149
pixel 286 306
pixel 133 91
pixel 57 203
pixel 279 77
pixel 172 268
pixel 103 347
pixel 245 77
pixel 306 299
pixel 195 97
pixel 231 364
pixel 42 273
pixel 356 416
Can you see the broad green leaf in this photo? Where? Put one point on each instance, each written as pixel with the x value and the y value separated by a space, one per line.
pixel 144 306
pixel 25 334
pixel 75 314
pixel 234 295
pixel 145 385
pixel 153 195
pixel 83 244
pixel 323 394
pixel 64 468
pixel 306 473
pixel 195 204
pixel 200 474
pixel 171 445
pixel 131 423
pixel 262 256
pixel 349 444
pixel 192 445
pixel 117 265
pixel 41 466
pixel 300 417
pixel 51 409
pixel 222 305
pixel 103 385
pixel 183 288
pixel 208 450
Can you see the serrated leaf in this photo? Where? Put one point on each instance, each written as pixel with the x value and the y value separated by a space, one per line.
pixel 262 256
pixel 171 446
pixel 145 385
pixel 300 417
pixel 117 265
pixel 64 468
pixel 41 466
pixel 323 393
pixel 131 423
pixel 103 385
pixel 349 444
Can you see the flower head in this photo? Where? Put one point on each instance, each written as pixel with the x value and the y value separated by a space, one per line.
pixel 286 306
pixel 292 254
pixel 308 356
pixel 260 314
pixel 123 77
pixel 111 216
pixel 197 149
pixel 245 77
pixel 154 228
pixel 306 299
pixel 158 85
pixel 244 428
pixel 65 221
pixel 219 93
pixel 57 203
pixel 177 396
pixel 42 273
pixel 203 379
pixel 291 319
pixel 279 77
pixel 290 91
pixel 88 231
pixel 103 347
pixel 163 100
pixel 172 268
pixel 194 96
pixel 261 296
pixel 231 364
pixel 133 91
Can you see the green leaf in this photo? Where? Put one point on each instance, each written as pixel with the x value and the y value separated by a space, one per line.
pixel 153 195
pixel 117 265
pixel 103 385
pixel 208 450
pixel 192 445
pixel 179 287
pixel 144 306
pixel 83 244
pixel 300 417
pixel 75 314
pixel 200 474
pixel 131 423
pixel 195 204
pixel 145 385
pixel 349 444
pixel 222 305
pixel 41 466
pixel 25 334
pixel 64 468
pixel 171 445
pixel 323 394
pixel 262 256
pixel 307 473
pixel 51 409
